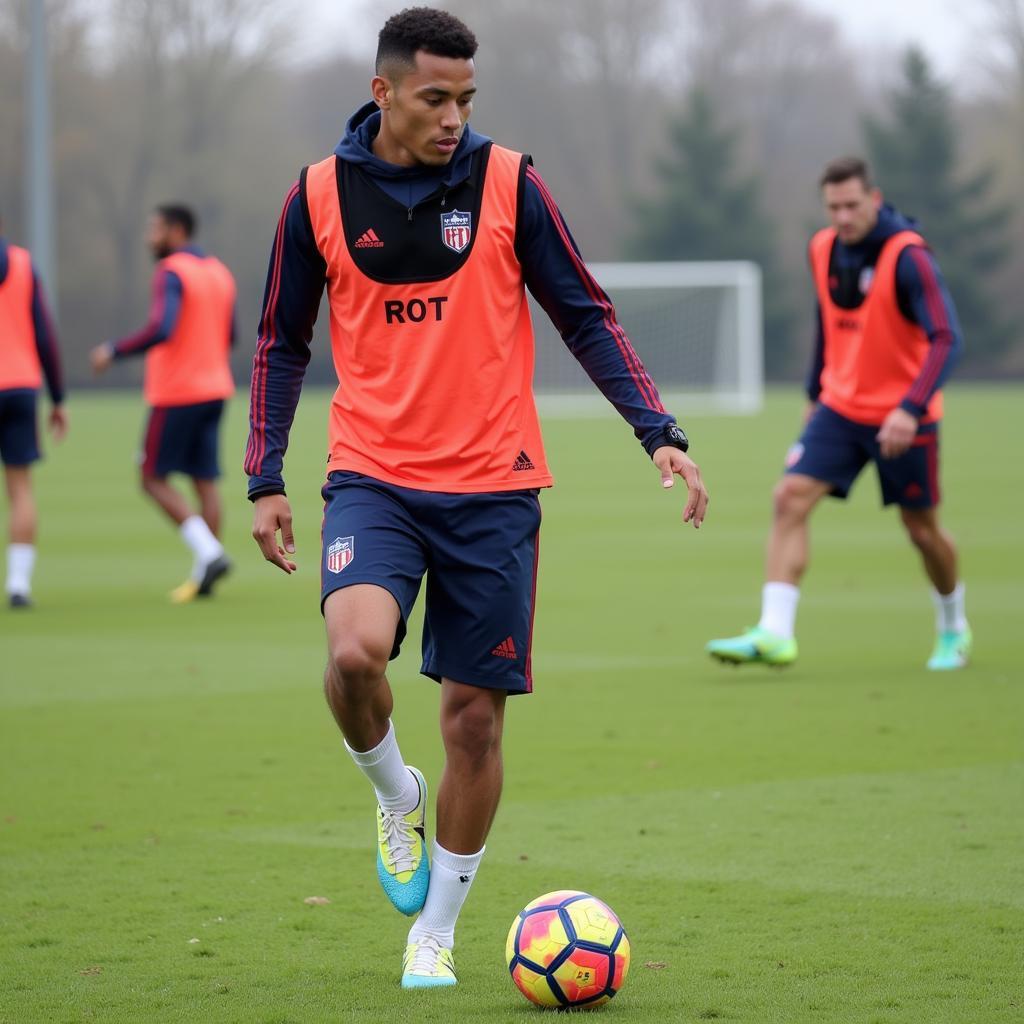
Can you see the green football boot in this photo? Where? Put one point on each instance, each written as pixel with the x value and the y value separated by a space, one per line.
pixel 755 644
pixel 951 651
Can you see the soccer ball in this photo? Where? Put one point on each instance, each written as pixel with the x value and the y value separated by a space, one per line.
pixel 567 948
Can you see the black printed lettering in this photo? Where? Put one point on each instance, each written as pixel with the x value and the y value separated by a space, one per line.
pixel 414 311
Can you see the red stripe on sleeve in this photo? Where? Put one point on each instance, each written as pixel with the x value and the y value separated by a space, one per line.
pixel 922 389
pixel 258 389
pixel 156 316
pixel 52 363
pixel 940 349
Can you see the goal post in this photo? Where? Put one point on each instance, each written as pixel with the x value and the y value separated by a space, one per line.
pixel 697 327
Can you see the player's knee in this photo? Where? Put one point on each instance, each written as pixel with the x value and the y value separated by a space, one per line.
pixel 356 662
pixel 921 531
pixel 148 482
pixel 792 498
pixel 473 728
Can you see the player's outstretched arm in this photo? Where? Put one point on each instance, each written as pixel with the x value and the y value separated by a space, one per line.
pixel 671 462
pixel 273 513
pixel 101 357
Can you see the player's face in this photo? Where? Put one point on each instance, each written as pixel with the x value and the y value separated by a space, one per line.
pixel 424 111
pixel 158 237
pixel 852 208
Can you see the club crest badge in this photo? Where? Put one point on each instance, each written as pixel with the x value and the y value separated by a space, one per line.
pixel 340 553
pixel 456 230
pixel 867 275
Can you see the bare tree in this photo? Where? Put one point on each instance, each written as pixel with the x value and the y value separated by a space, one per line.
pixel 1005 39
pixel 174 72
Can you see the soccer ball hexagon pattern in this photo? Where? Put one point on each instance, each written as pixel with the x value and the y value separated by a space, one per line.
pixel 567 948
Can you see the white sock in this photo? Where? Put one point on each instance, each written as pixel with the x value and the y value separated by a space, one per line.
pixel 396 786
pixel 201 541
pixel 950 616
pixel 451 875
pixel 778 608
pixel 21 559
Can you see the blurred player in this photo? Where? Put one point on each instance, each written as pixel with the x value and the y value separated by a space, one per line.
pixel 28 353
pixel 888 337
pixel 425 234
pixel 187 343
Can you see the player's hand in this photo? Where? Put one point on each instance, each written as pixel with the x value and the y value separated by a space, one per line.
pixel 809 411
pixel 671 461
pixel 101 357
pixel 273 513
pixel 897 433
pixel 58 422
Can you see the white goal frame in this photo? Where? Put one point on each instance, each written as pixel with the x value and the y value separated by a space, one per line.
pixel 744 394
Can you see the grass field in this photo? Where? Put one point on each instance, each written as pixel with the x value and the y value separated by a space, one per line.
pixel 840 842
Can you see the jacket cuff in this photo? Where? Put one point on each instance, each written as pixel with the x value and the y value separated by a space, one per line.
pixel 265 490
pixel 915 410
pixel 654 438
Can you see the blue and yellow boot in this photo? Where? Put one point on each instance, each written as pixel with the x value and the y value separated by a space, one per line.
pixel 428 964
pixel 402 864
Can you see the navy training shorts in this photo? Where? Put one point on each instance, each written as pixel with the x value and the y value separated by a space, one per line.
pixel 835 449
pixel 479 554
pixel 183 439
pixel 19 436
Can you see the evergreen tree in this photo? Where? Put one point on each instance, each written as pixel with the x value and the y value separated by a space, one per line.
pixel 914 153
pixel 704 211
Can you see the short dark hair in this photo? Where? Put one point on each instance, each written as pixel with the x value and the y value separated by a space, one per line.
pixel 844 168
pixel 423 28
pixel 180 215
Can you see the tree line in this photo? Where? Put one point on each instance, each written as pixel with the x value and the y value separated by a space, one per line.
pixel 666 129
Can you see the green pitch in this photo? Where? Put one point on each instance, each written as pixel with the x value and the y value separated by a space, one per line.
pixel 838 842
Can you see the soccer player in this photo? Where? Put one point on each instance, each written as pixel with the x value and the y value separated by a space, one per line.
pixel 28 353
pixel 888 337
pixel 426 235
pixel 187 343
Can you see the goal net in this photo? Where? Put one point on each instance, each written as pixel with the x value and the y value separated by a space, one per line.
pixel 696 326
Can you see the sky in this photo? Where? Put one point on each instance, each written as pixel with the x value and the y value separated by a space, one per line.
pixel 946 29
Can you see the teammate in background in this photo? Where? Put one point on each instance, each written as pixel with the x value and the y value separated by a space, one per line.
pixel 888 337
pixel 425 235
pixel 187 343
pixel 28 352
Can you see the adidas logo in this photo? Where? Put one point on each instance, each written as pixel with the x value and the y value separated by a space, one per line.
pixel 369 240
pixel 506 649
pixel 522 462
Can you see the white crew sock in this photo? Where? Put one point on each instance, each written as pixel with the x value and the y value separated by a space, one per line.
pixel 21 559
pixel 396 786
pixel 950 616
pixel 778 608
pixel 451 875
pixel 201 541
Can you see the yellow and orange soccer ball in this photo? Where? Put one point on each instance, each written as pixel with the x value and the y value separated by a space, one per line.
pixel 567 948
